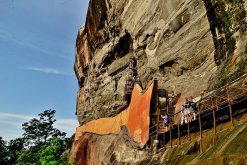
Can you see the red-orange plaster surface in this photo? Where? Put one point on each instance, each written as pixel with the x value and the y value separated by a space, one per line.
pixel 135 118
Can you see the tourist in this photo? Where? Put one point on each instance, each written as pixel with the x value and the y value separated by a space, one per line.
pixel 183 115
pixel 192 105
pixel 166 120
pixel 185 111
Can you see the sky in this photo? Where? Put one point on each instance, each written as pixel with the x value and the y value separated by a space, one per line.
pixel 37 50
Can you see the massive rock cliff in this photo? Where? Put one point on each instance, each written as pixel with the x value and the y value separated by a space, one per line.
pixel 190 46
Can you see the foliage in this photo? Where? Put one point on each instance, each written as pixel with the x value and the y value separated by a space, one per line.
pixel 3 151
pixel 14 146
pixel 52 154
pixel 29 157
pixel 39 131
pixel 41 144
pixel 69 141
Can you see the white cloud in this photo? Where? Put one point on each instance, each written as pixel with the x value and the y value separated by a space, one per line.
pixel 9 134
pixel 67 122
pixel 10 125
pixel 47 70
pixel 14 116
pixel 5 34
pixel 67 125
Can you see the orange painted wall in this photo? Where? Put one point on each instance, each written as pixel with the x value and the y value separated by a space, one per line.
pixel 135 117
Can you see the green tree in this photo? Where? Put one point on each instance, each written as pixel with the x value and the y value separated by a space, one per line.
pixel 38 131
pixel 69 141
pixel 14 146
pixel 40 147
pixel 3 152
pixel 52 154
pixel 29 156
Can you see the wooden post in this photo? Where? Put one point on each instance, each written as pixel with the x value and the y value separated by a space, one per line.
pixel 167 108
pixel 229 104
pixel 214 136
pixel 200 125
pixel 164 140
pixel 151 142
pixel 170 135
pixel 188 124
pixel 157 124
pixel 156 106
pixel 178 133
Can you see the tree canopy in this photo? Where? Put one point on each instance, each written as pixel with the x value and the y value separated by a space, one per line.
pixel 41 144
pixel 3 151
pixel 39 131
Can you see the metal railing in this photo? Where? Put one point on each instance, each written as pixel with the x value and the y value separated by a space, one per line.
pixel 213 105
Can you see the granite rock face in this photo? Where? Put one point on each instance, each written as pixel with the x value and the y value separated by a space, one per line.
pixel 107 149
pixel 190 46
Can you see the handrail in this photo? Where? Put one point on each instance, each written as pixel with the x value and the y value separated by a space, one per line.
pixel 210 95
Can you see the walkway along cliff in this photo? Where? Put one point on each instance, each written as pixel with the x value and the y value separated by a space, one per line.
pixel 180 48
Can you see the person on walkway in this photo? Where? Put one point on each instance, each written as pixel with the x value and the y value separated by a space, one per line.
pixel 182 114
pixel 166 120
pixel 187 110
pixel 170 101
pixel 192 106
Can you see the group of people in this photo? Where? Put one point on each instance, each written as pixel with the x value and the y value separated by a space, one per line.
pixel 188 110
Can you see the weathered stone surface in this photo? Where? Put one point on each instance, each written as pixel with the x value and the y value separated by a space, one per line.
pixel 176 41
pixel 108 149
pixel 190 46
